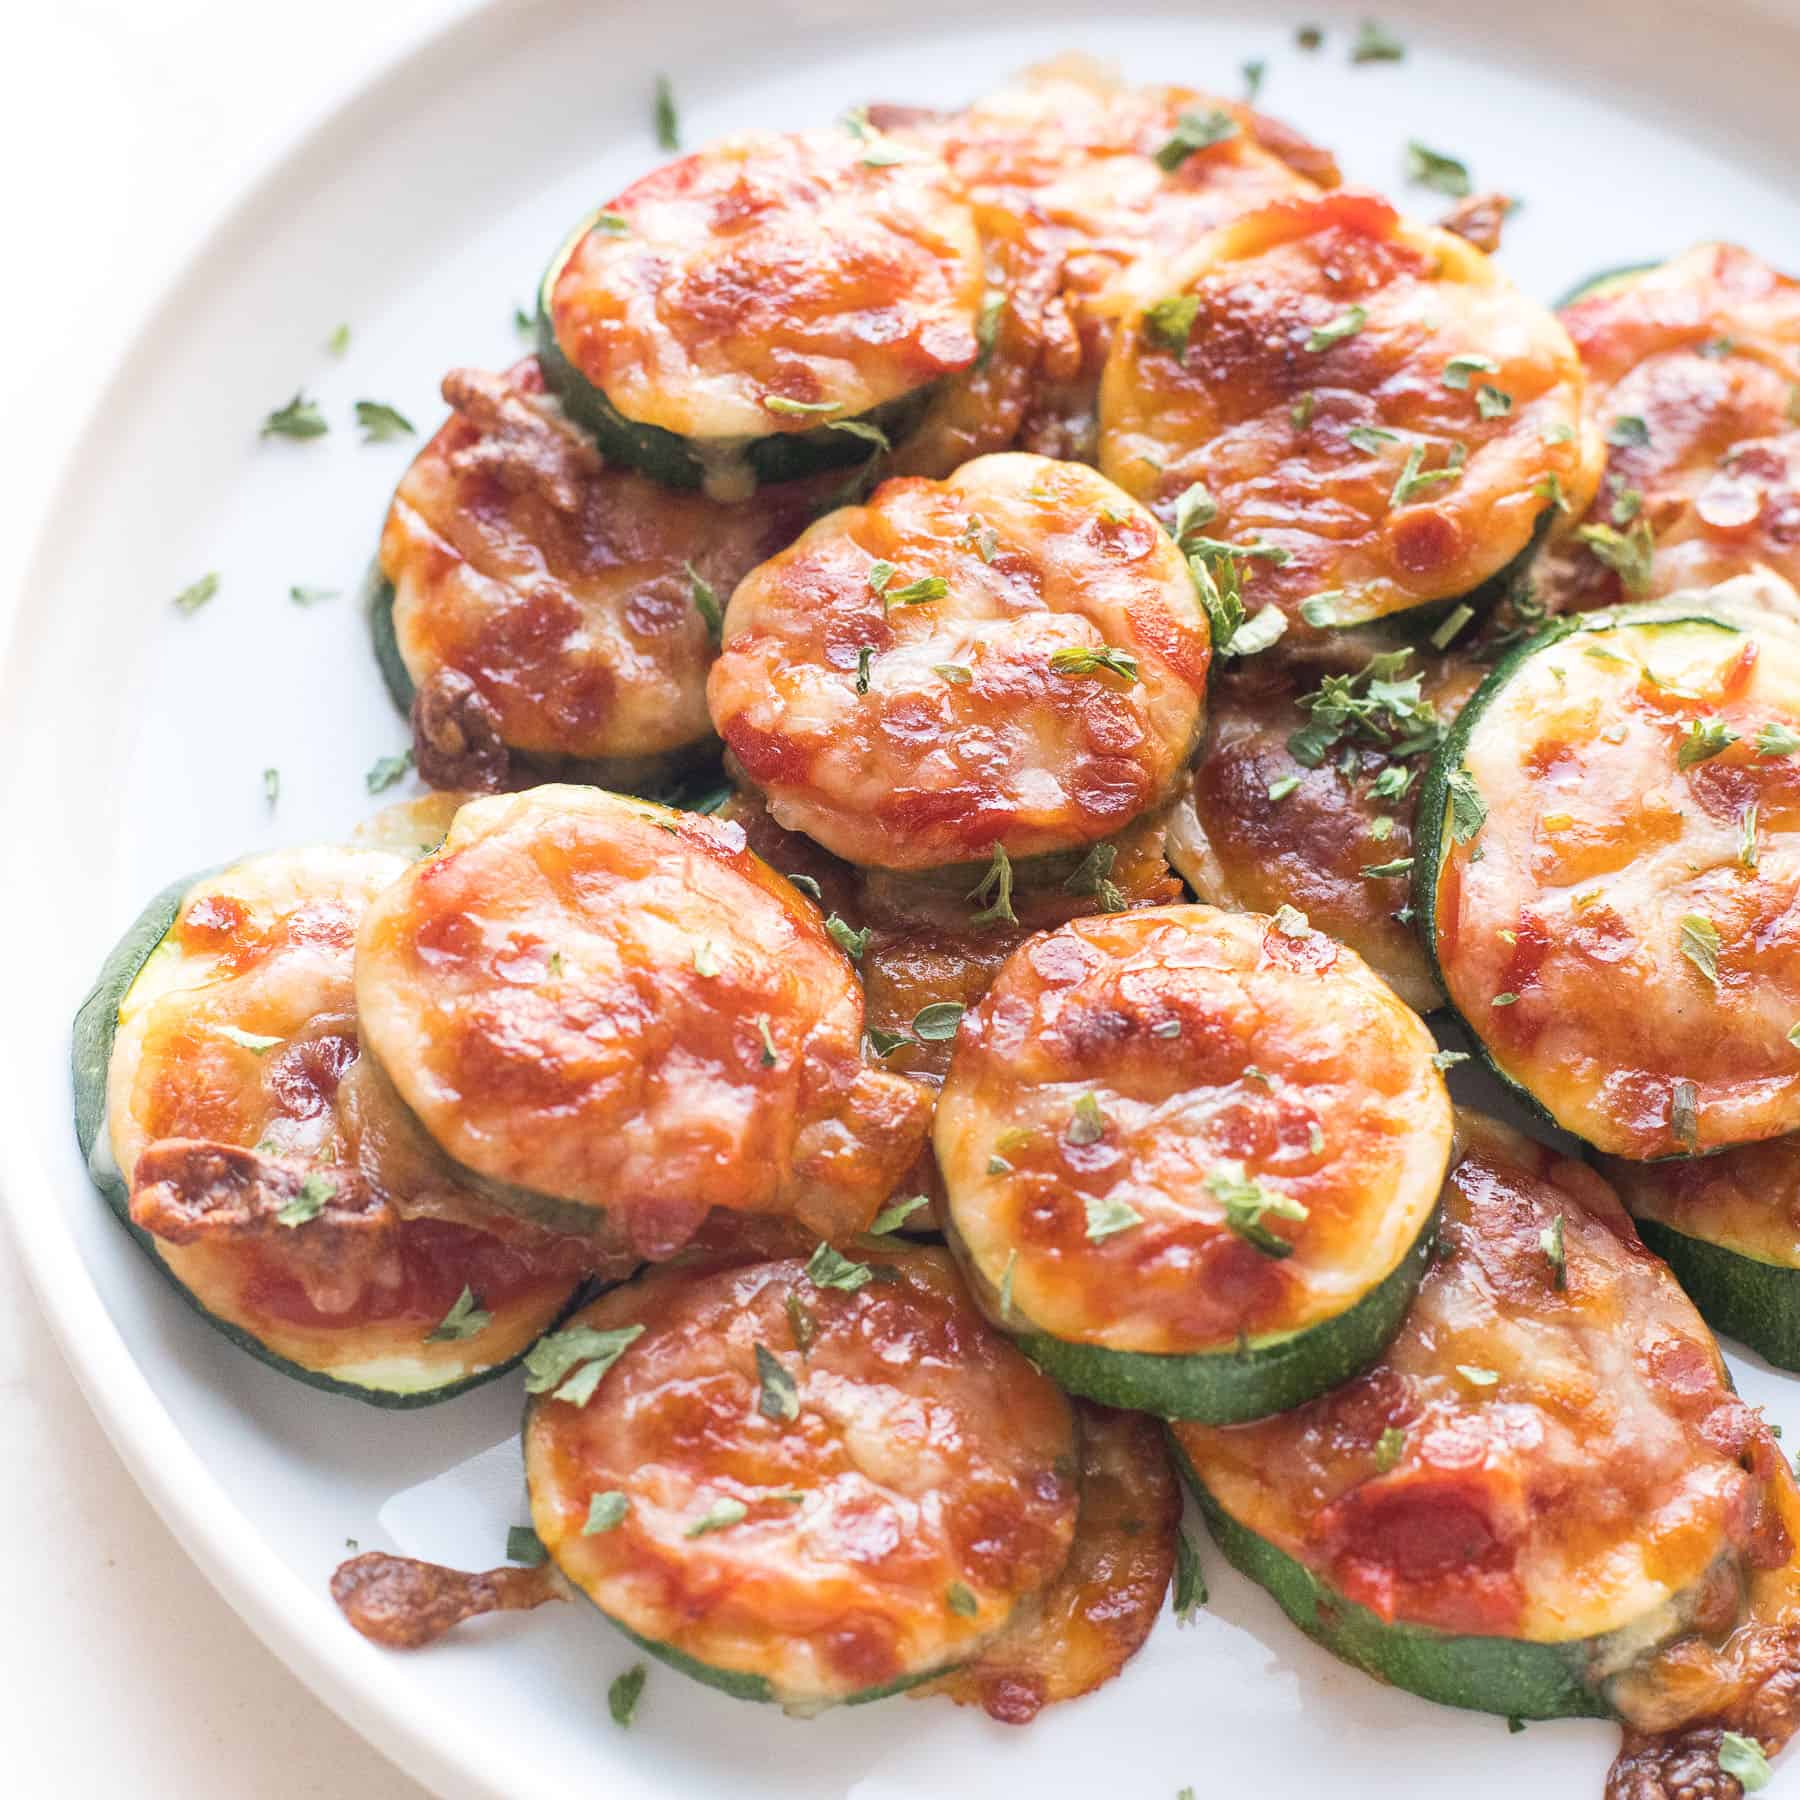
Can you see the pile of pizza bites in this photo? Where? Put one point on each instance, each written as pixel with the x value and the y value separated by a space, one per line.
pixel 984 676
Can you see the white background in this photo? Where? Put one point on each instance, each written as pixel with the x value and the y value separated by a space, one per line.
pixel 128 127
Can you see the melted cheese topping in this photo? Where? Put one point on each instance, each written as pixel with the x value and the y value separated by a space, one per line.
pixel 924 1486
pixel 1253 828
pixel 1641 914
pixel 1704 355
pixel 617 1005
pixel 1747 1199
pixel 563 589
pixel 1037 560
pixel 240 1030
pixel 1568 1460
pixel 1124 1074
pixel 1094 1617
pixel 1312 380
pixel 798 267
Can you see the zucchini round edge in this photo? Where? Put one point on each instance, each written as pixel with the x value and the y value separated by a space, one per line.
pixel 1756 1302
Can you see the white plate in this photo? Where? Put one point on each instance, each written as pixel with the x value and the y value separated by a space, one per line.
pixel 132 745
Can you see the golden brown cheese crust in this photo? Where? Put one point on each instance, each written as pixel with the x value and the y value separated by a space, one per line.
pixel 1030 741
pixel 236 1076
pixel 1317 322
pixel 795 267
pixel 563 589
pixel 1641 913
pixel 1566 1460
pixel 1143 1060
pixel 1704 353
pixel 1244 838
pixel 1094 1617
pixel 922 1487
pixel 619 1006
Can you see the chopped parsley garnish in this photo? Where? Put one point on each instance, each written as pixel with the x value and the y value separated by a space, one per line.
pixel 1289 921
pixel 568 1365
pixel 916 593
pixel 778 1397
pixel 606 1512
pixel 1377 706
pixel 1551 1242
pixel 523 1545
pixel 300 418
pixel 1196 129
pixel 1747 855
pixel 1448 1059
pixel 1777 740
pixel 1346 325
pixel 1401 865
pixel 1742 1759
pixel 852 943
pixel 1195 509
pixel 1166 1028
pixel 271 785
pixel 885 1043
pixel 1388 1448
pixel 1093 875
pixel 1700 945
pixel 1085 659
pixel 1452 626
pixel 1684 1115
pixel 827 1268
pixel 1492 402
pixel 1169 323
pixel 1190 1583
pixel 706 602
pixel 1107 1217
pixel 1254 71
pixel 1300 414
pixel 306 1205
pixel 339 341
pixel 937 1023
pixel 1246 1204
pixel 706 960
pixel 861 428
pixel 717 1517
pixel 466 1318
pixel 1704 740
pixel 768 1040
pixel 1627 554
pixel 1370 438
pixel 1476 1376
pixel 999 882
pixel 1468 811
pixel 1459 369
pixel 381 423
pixel 610 224
pixel 1006 1284
pixel 1415 478
pixel 311 596
pixel 1433 169
pixel 664 116
pixel 957 674
pixel 386 770
pixel 523 323
pixel 196 594
pixel 1374 43
pixel 622 1696
pixel 780 403
pixel 1279 790
pixel 864 657
pixel 1504 1000
pixel 1628 431
pixel 961 1600
pixel 1087 1123
pixel 801 1323
pixel 891 1218
pixel 1309 37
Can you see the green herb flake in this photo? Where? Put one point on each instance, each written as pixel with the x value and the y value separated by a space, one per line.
pixel 1085 659
pixel 1743 1760
pixel 466 1318
pixel 960 1600
pixel 1514 1724
pixel 1504 1000
pixel 1196 129
pixel 1006 1284
pixel 827 1268
pixel 386 770
pixel 864 657
pixel 852 943
pixel 622 1696
pixel 271 785
pixel 1300 414
pixel 998 881
pixel 768 1040
pixel 891 1218
pixel 1627 504
pixel 1290 921
pixel 1254 72
pixel 1628 431
pixel 706 959
pixel 1320 610
pixel 937 1023
pixel 1704 740
pixel 1309 37
pixel 306 1205
pixel 1388 1448
pixel 885 1043
pixel 801 1323
pixel 1093 875
pixel 1279 790
pixel 1195 509
pixel 253 1041
pixel 524 323
pixel 1475 1376
pixel 1166 1028
pixel 1777 740
pixel 1492 402
pixel 339 341
pixel 1401 865
pixel 705 602
pixel 1459 369
pixel 957 674
pixel 381 423
pixel 1087 1123
pixel 1468 811
pixel 664 118
pixel 1747 855
pixel 1346 325
pixel 1416 479
pixel 780 403
pixel 1453 623
pixel 1370 438
pixel 606 1512
pixel 1374 43
pixel 778 1395
pixel 1684 1115
pixel 1169 323
pixel 523 1545
pixel 1628 554
pixel 300 418
pixel 311 596
pixel 1190 1581
pixel 1106 1218
pixel 1248 1202
pixel 197 594
pixel 1551 1242
pixel 1448 1059
pixel 568 1365
pixel 1700 945
pixel 916 593
pixel 1433 169
pixel 717 1517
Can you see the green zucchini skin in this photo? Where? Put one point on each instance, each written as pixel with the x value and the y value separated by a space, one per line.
pixel 668 457
pixel 1757 1303
pixel 1601 280
pixel 1481 1674
pixel 1230 1387
pixel 378 609
pixel 96 1025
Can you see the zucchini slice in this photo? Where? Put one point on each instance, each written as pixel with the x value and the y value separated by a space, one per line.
pixel 1192 1159
pixel 1726 1225
pixel 1602 854
pixel 609 1012
pixel 1304 793
pixel 1378 417
pixel 229 1123
pixel 1544 1499
pixel 1013 660
pixel 557 613
pixel 1691 382
pixel 725 318
pixel 807 1488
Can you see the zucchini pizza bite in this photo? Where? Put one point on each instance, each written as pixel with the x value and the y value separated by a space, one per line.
pixel 1693 371
pixel 802 1482
pixel 1006 664
pixel 539 610
pixel 1544 1500
pixel 1192 1158
pixel 1605 877
pixel 1377 418
pixel 614 1015
pixel 756 310
pixel 1303 793
pixel 231 1122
